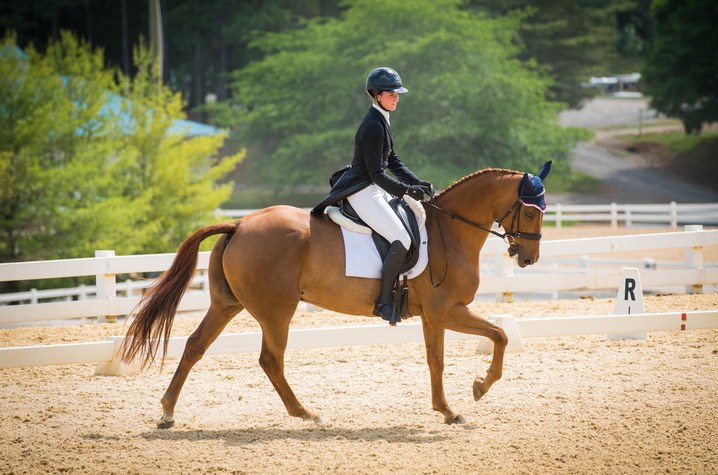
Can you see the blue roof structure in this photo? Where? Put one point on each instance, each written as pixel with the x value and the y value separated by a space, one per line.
pixel 194 129
pixel 179 126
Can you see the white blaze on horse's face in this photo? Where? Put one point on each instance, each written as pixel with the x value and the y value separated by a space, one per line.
pixel 526 251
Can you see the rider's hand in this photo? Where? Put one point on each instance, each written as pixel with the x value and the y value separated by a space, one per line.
pixel 416 192
pixel 425 183
pixel 427 186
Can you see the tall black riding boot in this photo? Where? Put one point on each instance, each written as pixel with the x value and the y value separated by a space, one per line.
pixel 392 264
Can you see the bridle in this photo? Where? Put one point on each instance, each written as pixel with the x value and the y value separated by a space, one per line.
pixel 508 237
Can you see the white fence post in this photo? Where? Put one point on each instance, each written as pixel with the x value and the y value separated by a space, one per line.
pixel 503 267
pixel 106 287
pixel 558 215
pixel 554 271
pixel 629 222
pixel 694 259
pixel 583 264
pixel 614 215
pixel 205 281
pixel 674 215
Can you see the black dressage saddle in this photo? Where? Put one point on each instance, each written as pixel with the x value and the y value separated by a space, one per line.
pixel 400 294
pixel 407 218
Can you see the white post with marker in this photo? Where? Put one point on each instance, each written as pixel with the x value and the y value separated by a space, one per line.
pixel 508 323
pixel 629 301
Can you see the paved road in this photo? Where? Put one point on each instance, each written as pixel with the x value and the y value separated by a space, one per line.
pixel 626 182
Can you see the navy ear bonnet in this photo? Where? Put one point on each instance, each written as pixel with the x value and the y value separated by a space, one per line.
pixel 531 191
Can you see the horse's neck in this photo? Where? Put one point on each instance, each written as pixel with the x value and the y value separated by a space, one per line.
pixel 479 199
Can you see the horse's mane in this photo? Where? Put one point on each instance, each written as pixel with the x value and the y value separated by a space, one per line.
pixel 474 175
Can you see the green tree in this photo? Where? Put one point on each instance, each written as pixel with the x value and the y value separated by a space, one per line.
pixel 471 104
pixel 88 164
pixel 571 40
pixel 681 71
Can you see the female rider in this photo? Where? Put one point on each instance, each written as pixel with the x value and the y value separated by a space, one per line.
pixel 366 184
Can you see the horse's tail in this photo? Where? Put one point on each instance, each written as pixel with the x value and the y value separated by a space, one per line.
pixel 158 305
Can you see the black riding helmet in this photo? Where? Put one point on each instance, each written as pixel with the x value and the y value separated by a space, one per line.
pixel 384 79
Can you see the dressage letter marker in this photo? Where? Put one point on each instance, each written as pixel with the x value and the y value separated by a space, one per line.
pixel 629 301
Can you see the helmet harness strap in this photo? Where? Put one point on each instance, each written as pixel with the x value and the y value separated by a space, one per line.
pixel 378 102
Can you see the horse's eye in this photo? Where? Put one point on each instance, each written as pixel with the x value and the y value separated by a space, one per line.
pixel 530 215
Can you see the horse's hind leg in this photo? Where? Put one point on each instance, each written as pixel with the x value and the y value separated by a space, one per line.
pixel 271 359
pixel 212 325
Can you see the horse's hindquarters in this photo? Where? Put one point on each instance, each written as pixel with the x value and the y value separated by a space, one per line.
pixel 283 255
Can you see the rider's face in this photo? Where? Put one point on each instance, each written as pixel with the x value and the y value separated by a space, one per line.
pixel 388 100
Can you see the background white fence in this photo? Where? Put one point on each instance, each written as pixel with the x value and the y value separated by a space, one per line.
pixel 671 214
pixel 105 266
pixel 105 352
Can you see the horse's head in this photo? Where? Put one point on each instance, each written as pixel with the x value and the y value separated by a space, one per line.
pixel 523 220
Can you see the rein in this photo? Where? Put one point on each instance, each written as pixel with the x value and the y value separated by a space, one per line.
pixel 508 237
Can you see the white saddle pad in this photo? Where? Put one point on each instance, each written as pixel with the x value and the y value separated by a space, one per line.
pixel 363 259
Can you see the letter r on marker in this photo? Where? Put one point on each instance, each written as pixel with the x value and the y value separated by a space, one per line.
pixel 630 287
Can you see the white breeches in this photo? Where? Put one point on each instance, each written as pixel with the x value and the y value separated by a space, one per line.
pixel 371 204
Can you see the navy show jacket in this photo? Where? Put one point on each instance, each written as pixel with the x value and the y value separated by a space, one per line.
pixel 373 155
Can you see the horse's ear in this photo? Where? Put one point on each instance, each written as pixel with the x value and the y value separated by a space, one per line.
pixel 526 186
pixel 544 171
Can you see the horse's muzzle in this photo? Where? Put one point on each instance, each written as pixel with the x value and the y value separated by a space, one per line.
pixel 523 258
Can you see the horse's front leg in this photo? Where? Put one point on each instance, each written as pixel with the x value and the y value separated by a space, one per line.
pixel 434 341
pixel 461 319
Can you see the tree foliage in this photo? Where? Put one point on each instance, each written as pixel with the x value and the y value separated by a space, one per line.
pixel 471 104
pixel 202 40
pixel 87 161
pixel 571 40
pixel 681 71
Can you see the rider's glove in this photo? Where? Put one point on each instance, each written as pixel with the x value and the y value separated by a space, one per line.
pixel 425 183
pixel 416 192
pixel 427 186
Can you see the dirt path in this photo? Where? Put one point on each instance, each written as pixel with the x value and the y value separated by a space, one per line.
pixel 625 181
pixel 570 405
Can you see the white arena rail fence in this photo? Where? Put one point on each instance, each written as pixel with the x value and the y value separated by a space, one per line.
pixel 105 266
pixel 105 352
pixel 84 292
pixel 671 214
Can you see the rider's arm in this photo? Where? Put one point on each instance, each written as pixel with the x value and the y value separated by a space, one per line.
pixel 401 171
pixel 372 145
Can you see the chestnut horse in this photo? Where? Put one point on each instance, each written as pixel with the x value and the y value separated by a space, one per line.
pixel 281 255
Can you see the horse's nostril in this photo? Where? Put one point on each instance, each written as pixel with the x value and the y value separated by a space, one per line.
pixel 528 262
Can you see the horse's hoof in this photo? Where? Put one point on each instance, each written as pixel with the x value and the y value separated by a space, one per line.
pixel 318 421
pixel 479 390
pixel 459 419
pixel 165 423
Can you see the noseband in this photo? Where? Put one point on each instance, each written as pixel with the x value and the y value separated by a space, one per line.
pixel 508 237
pixel 516 218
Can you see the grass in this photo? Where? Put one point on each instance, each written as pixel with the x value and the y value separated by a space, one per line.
pixel 646 125
pixel 678 142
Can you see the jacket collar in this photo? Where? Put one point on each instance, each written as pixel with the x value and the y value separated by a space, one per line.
pixel 383 113
pixel 377 113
